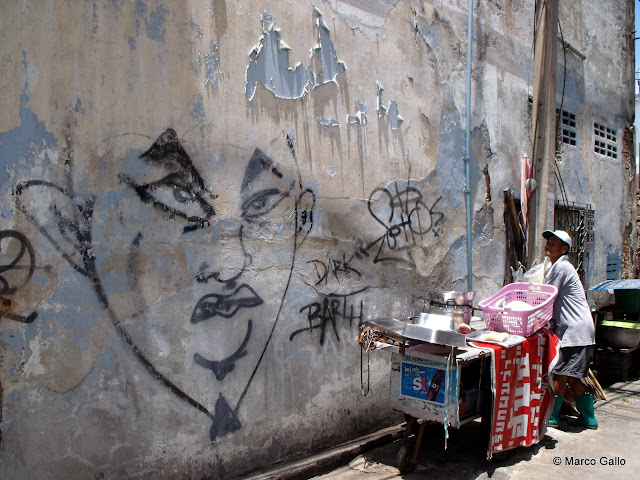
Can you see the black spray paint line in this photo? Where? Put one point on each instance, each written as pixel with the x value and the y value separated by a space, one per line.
pixel 152 370
pixel 221 368
pixel 410 203
pixel 327 312
pixel 185 183
pixel 410 223
pixel 225 420
pixel 296 245
pixel 6 288
pixel 409 218
pixel 334 267
pixel 25 248
pixel 304 220
pixel 82 241
pixel 20 318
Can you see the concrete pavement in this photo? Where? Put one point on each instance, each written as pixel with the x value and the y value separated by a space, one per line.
pixel 611 451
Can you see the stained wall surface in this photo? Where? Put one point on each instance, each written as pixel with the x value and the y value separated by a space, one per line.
pixel 200 202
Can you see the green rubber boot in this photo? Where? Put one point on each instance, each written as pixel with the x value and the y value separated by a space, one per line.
pixel 587 417
pixel 555 416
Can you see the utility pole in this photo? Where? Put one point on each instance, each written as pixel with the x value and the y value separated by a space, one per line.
pixel 541 202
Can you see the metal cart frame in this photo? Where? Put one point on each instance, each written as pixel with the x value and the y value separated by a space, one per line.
pixel 390 333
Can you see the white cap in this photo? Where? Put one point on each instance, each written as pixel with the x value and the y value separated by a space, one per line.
pixel 561 234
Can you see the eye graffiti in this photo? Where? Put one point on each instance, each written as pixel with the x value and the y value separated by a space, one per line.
pixel 174 195
pixel 181 193
pixel 261 203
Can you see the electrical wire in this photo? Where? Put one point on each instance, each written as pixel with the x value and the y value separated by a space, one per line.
pixel 368 338
pixel 558 175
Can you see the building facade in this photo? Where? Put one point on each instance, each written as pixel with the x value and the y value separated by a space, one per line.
pixel 202 201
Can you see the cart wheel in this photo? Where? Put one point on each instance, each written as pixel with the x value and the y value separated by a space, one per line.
pixel 403 460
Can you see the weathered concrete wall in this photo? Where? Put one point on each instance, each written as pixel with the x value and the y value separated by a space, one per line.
pixel 201 201
pixel 597 88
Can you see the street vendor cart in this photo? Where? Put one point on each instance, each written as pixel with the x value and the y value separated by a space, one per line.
pixel 439 374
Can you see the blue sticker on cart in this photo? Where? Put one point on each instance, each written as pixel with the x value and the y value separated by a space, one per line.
pixel 425 383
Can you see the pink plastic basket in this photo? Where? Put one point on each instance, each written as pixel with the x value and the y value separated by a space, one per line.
pixel 523 322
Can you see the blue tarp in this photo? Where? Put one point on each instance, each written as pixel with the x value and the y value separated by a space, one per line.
pixel 633 284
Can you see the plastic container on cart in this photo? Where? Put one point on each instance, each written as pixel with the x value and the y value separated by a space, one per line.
pixel 519 308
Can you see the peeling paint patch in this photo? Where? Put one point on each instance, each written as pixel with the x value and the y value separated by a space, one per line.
pixel 212 60
pixel 367 17
pixel 394 116
pixel 141 8
pixel 360 117
pixel 197 28
pixel 79 108
pixel 132 43
pixel 326 52
pixel 396 120
pixel 154 25
pixel 269 63
pixel 27 139
pixel 199 113
pixel 328 122
pixel 382 110
pixel 330 170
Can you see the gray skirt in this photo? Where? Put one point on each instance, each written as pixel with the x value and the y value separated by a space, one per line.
pixel 574 361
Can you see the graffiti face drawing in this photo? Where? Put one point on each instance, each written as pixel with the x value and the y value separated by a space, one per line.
pixel 194 266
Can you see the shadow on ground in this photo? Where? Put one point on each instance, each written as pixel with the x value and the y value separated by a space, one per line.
pixel 464 458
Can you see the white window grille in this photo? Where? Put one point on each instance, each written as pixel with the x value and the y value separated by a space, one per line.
pixel 606 140
pixel 568 130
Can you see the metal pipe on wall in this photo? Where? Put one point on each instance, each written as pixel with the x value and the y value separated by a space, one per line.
pixel 467 152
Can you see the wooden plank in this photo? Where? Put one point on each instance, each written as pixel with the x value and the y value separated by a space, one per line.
pixel 541 203
pixel 511 211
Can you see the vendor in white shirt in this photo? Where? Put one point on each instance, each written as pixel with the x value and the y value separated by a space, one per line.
pixel 574 327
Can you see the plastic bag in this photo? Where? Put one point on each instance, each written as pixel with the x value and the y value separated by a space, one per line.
pixel 517 275
pixel 537 272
